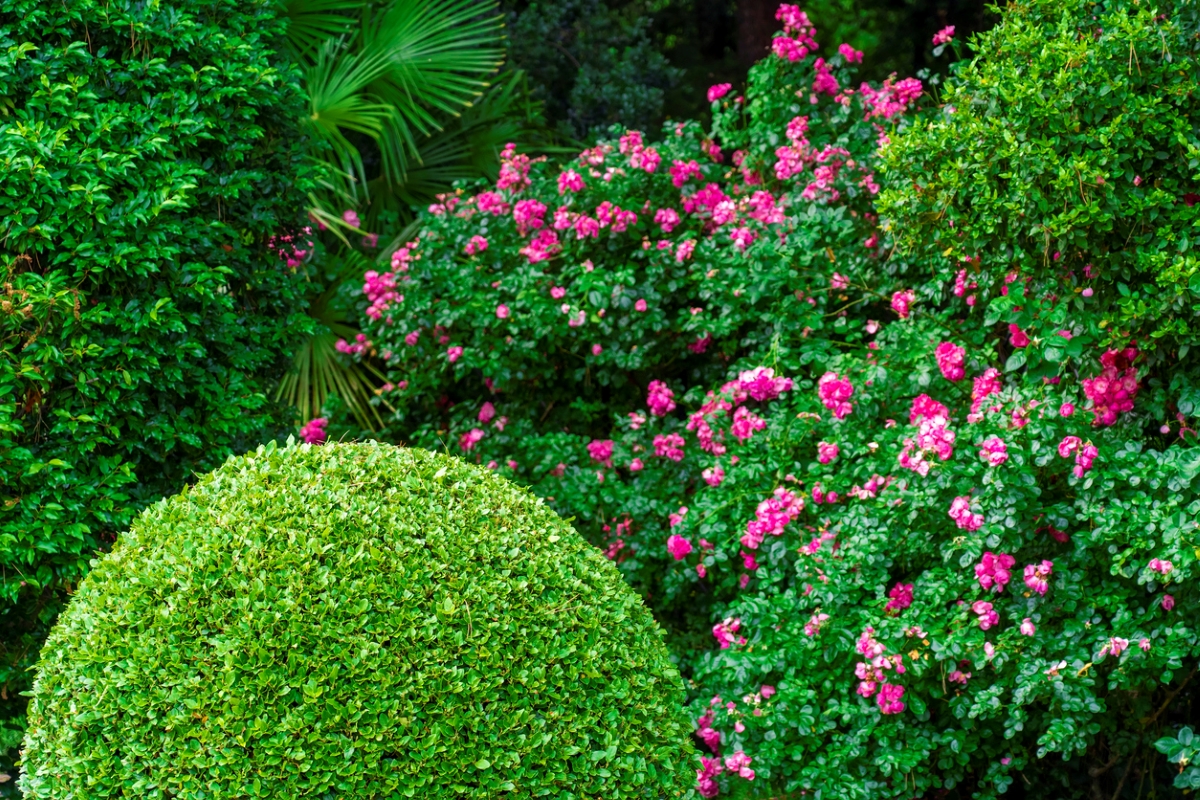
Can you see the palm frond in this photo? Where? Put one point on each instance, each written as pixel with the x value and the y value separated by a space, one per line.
pixel 313 22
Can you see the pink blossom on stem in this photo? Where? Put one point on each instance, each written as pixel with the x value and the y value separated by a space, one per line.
pixel 669 446
pixel 570 181
pixel 678 546
pixel 660 398
pixel 486 412
pixel 601 451
pixel 944 35
pixel 725 632
pixel 477 244
pixel 950 360
pixel 902 302
pixel 313 431
pixel 987 615
pixel 994 570
pixel 453 353
pixel 851 55
pixel 835 393
pixel 826 452
pixel 1168 602
pixel 468 440
pixel 713 475
pixel 1027 627
pixel 900 597
pixel 717 91
pixel 889 698
pixel 1037 576
pixel 960 512
pixel 994 451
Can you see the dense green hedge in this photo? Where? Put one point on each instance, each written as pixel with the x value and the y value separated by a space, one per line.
pixel 355 621
pixel 147 150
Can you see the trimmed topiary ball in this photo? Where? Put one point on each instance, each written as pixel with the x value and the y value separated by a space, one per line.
pixel 355 621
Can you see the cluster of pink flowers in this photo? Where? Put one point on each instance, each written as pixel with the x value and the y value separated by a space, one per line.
pixel 726 632
pixel 925 407
pixel 1037 576
pixel 772 516
pixel 380 290
pixel 797 41
pixel 1160 566
pixel 985 385
pixel 835 393
pixel 994 570
pixel 951 360
pixel 745 424
pixel 682 171
pixel 872 673
pixel 813 626
pixel 541 247
pixel 286 246
pixel 899 598
pixel 1114 389
pixel 641 157
pixel 944 35
pixel 826 452
pixel 761 384
pixel 934 437
pixel 1085 454
pixel 313 431
pixel 514 169
pixel 960 512
pixel 669 446
pixel 713 475
pixel 660 399
pixel 361 345
pixel 890 99
pixel 994 451
pixel 601 451
pixel 570 181
pixel 987 615
pixel 902 302
pixel 476 244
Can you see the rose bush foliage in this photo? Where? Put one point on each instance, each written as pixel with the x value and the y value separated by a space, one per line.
pixel 918 523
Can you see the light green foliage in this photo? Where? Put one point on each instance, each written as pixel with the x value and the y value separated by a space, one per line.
pixel 1068 144
pixel 355 621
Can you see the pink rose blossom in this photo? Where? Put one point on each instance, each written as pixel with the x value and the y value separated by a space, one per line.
pixel 453 353
pixel 1037 576
pixel 477 244
pixel 960 512
pixel 994 570
pixel 669 446
pixel 902 302
pixel 950 360
pixel 717 91
pixel 1027 627
pixel 601 451
pixel 502 311
pixel 826 452
pixel 313 431
pixel 678 546
pixel 1168 602
pixel 486 412
pixel 944 35
pixel 835 393
pixel 468 440
pixel 994 451
pixel 889 698
pixel 660 399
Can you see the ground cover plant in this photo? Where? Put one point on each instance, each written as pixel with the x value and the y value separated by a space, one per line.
pixel 148 153
pixel 359 621
pixel 865 404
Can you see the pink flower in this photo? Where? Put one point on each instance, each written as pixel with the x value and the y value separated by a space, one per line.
pixel 994 570
pixel 713 475
pixel 1115 646
pixel 1114 389
pixel 468 440
pixel 745 424
pixel 1069 445
pixel 351 218
pixel 597 349
pixel 678 546
pixel 570 181
pixel 681 172
pixel 950 360
pixel 1066 410
pixel 667 218
pixel 901 597
pixel 1168 602
pixel 889 698
pixel 601 451
pixel 677 517
pixel 724 632
pixel 762 385
pixel 684 251
pixel 1027 627
pixel 1160 566
pixel 835 393
pixel 739 763
pixel 660 398
pixel 502 311
pixel 826 452
pixel 454 353
pixel 987 615
pixel 994 451
pixel 669 446
pixel 960 512
pixel 717 91
pixel 635 465
pixel 640 305
pixel 1084 458
pixel 851 55
pixel 313 431
pixel 1145 645
pixel 944 35
pixel 477 244
pixel 558 292
pixel 1037 576
pixel 486 412
pixel 528 215
pixel 902 302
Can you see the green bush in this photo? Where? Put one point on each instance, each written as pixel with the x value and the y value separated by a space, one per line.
pixel 148 151
pixel 355 621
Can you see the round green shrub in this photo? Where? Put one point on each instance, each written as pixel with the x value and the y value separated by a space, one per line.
pixel 352 621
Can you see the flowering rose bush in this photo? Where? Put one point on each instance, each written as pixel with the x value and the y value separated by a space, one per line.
pixel 894 557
